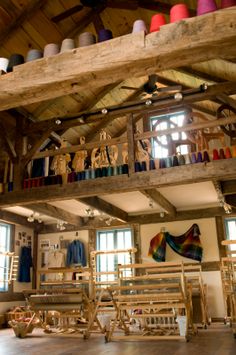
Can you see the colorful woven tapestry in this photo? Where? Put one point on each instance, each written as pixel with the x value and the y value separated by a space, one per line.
pixel 157 247
pixel 187 244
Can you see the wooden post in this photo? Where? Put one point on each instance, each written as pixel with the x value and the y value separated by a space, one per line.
pixel 220 235
pixel 35 258
pixel 131 145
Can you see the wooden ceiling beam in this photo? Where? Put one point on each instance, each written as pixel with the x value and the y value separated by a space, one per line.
pixel 86 117
pixel 120 58
pixel 200 75
pixel 180 216
pixel 27 11
pixel 57 213
pixel 228 187
pixel 14 218
pixel 158 198
pixel 221 170
pixel 103 206
pixel 227 100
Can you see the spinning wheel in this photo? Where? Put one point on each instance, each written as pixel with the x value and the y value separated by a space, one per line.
pixel 226 111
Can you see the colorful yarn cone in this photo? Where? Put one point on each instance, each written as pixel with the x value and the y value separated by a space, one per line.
pixel 193 158
pixel 162 163
pixel 178 12
pixel 175 161
pixel 228 154
pixel 227 3
pixel 181 159
pixel 199 157
pixel 206 157
pixel 222 153
pixel 233 150
pixel 215 154
pixel 205 6
pixel 157 21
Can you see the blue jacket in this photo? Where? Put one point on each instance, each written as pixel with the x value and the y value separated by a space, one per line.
pixel 76 253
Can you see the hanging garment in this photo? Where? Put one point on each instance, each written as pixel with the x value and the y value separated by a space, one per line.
pixel 56 259
pixel 25 263
pixel 187 244
pixel 76 253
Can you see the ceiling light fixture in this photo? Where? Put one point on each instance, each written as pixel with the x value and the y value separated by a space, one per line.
pixel 61 225
pixel 34 217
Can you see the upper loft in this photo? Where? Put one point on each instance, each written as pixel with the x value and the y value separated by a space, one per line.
pixel 110 87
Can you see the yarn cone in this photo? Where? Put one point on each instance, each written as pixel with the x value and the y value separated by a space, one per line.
pixel 215 154
pixel 228 154
pixel 222 153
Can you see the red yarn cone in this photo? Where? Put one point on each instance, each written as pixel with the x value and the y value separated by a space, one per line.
pixel 228 154
pixel 215 154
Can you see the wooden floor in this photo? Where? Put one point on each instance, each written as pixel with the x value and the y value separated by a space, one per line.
pixel 217 339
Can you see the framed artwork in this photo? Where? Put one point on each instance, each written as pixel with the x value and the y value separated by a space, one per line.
pixel 44 244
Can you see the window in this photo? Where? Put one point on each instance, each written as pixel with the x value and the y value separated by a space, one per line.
pixel 112 240
pixel 5 230
pixel 230 224
pixel 166 145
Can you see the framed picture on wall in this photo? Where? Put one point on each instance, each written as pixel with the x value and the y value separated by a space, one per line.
pixel 44 244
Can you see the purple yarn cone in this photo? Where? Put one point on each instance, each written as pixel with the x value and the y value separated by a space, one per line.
pixel 205 6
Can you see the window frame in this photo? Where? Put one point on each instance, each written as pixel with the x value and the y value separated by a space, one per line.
pixel 115 231
pixel 173 144
pixel 9 295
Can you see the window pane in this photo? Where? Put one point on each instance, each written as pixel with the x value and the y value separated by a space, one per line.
pixel 4 260
pixel 114 240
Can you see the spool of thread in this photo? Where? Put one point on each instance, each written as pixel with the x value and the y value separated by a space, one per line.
pixel 169 162
pixel 157 21
pixel 227 3
pixel 4 64
pixel 181 159
pixel 215 154
pixel 14 60
pixel 109 170
pixel 138 26
pixel 152 164
pixel 199 157
pixel 33 54
pixel 104 35
pixel 125 169
pixel 137 167
pixel 228 154
pixel 178 12
pixel 162 163
pixel 205 6
pixel 233 151
pixel 175 161
pixel 98 173
pixel 193 158
pixel 86 39
pixel 67 44
pixel 143 166
pixel 50 49
pixel 206 158
pixel 221 153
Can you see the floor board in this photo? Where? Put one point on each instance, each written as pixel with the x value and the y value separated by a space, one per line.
pixel 218 339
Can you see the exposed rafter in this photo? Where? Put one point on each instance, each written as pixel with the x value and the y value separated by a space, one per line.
pixel 57 213
pixel 157 197
pixel 103 206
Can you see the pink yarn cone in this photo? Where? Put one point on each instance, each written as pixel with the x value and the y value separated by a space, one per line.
pixel 205 6
pixel 227 3
pixel 178 12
